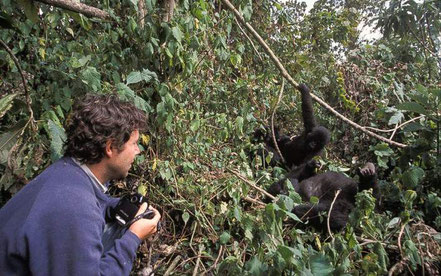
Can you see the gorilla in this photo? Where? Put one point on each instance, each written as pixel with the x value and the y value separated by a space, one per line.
pixel 299 149
pixel 324 186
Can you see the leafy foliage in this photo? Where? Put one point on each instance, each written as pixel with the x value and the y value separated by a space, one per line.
pixel 206 87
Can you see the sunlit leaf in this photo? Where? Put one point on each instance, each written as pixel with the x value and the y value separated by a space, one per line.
pixel 58 137
pixel 6 103
pixel 8 139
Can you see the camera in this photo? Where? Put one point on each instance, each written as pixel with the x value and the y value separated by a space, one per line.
pixel 124 212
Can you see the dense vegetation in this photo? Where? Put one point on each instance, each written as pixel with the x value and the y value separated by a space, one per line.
pixel 207 84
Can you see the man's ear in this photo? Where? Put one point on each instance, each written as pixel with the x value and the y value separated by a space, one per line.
pixel 109 148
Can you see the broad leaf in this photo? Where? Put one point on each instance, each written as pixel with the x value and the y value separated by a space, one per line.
pixel 320 265
pixel 412 177
pixel 30 10
pixel 6 104
pixel 224 238
pixel 92 78
pixel 413 107
pixel 134 77
pixel 9 139
pixel 58 137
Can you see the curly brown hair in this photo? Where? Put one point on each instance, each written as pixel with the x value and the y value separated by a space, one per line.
pixel 97 119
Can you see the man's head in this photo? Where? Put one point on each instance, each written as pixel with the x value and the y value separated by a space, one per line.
pixel 98 120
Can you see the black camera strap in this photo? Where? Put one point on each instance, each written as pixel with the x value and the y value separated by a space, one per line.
pixel 147 214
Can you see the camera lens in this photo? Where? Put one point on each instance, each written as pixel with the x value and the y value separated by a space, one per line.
pixel 134 199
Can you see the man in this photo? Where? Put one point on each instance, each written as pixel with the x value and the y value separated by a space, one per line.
pixel 55 224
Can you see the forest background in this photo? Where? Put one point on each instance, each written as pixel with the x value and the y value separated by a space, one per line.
pixel 208 83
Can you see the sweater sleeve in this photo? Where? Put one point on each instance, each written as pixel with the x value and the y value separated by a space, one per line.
pixel 65 239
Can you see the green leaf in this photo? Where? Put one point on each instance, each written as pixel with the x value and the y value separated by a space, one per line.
pixel 81 62
pixel 30 10
pixel 237 213
pixel 185 217
pixel 177 34
pixel 142 189
pixel 412 177
pixel 255 266
pixel 9 139
pixel 134 77
pixel 224 238
pixel 58 137
pixel 286 252
pixel 382 256
pixel 313 199
pixel 396 118
pixel 145 75
pixel 135 4
pixel 320 265
pixel 413 107
pixel 6 103
pixel 92 78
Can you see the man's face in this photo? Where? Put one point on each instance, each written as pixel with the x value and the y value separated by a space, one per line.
pixel 122 160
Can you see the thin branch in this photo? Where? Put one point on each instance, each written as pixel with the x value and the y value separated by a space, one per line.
pixel 399 239
pixel 70 5
pixel 397 127
pixel 249 39
pixel 398 267
pixel 254 201
pixel 286 75
pixel 403 124
pixel 196 267
pixel 251 184
pixel 272 122
pixel 171 268
pixel 329 214
pixel 25 86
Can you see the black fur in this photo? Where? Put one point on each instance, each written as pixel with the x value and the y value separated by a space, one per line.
pixel 324 186
pixel 302 148
pixel 295 176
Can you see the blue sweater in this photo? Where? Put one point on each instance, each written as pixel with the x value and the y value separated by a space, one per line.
pixel 54 226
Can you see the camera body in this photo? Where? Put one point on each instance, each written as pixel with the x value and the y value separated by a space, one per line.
pixel 127 208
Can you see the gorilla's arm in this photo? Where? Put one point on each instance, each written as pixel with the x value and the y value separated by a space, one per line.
pixel 307 110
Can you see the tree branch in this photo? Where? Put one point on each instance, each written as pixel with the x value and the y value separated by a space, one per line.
pixel 272 122
pixel 329 215
pixel 286 75
pixel 77 7
pixel 251 184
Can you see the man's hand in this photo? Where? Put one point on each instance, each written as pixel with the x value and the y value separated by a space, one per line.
pixel 144 228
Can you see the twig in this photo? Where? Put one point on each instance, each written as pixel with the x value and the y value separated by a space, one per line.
pixel 399 239
pixel 400 126
pixel 249 39
pixel 254 201
pixel 272 122
pixel 216 261
pixel 173 265
pixel 286 75
pixel 368 241
pixel 195 271
pixel 329 214
pixel 405 123
pixel 251 184
pixel 398 266
pixel 25 86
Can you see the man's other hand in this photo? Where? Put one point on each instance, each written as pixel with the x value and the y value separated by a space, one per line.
pixel 144 228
